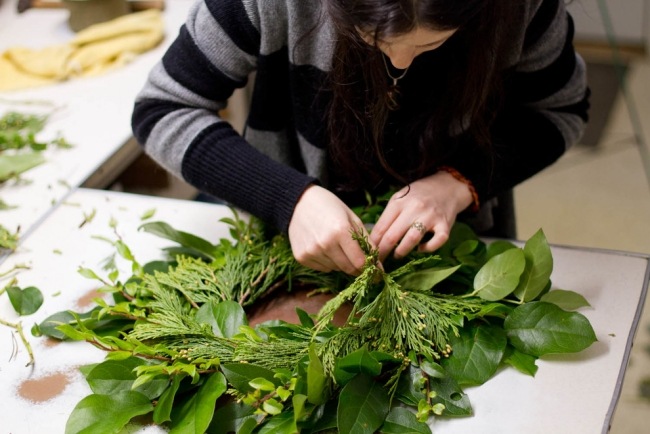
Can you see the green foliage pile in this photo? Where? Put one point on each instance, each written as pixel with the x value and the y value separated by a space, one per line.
pixel 179 347
pixel 19 148
pixel 20 151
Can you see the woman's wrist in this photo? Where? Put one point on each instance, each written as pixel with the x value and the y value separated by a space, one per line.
pixel 467 196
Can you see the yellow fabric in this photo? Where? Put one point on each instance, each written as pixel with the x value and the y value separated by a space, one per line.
pixel 93 51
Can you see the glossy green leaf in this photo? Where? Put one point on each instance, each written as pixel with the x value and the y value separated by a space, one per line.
pixel 106 414
pixel 113 376
pixel 433 369
pixel 233 417
pixel 476 354
pixel 566 300
pixel 465 248
pixel 409 386
pixel 241 374
pixel 262 384
pixel 162 412
pixel 449 394
pixel 272 407
pixel 316 379
pixel 224 317
pixel 305 319
pixel 187 240
pixel 524 363
pixel 539 265
pixel 499 246
pixel 401 420
pixel 195 414
pixel 499 276
pixel 360 361
pixel 322 419
pixel 539 328
pixel 426 279
pixel 363 406
pixel 281 424
pixel 25 301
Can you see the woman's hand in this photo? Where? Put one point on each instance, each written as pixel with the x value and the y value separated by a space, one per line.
pixel 320 233
pixel 427 205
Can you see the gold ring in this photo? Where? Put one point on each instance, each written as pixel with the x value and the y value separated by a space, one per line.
pixel 419 227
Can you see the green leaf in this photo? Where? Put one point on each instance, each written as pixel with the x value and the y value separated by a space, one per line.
pixel 433 369
pixel 476 354
pixel 239 375
pixel 281 424
pixel 25 301
pixel 449 394
pixel 187 240
pixel 539 265
pixel 499 246
pixel 124 251
pixel 524 363
pixel 539 328
pixel 426 279
pixel 13 165
pixel 409 386
pixel 162 412
pixel 401 420
pixel 566 300
pixel 466 248
pixel 262 384
pixel 88 273
pixel 300 411
pixel 316 379
pixel 224 317
pixel 500 275
pixel 358 362
pixel 273 407
pixel 363 406
pixel 195 414
pixel 106 414
pixel 148 214
pixel 305 319
pixel 232 417
pixel 113 376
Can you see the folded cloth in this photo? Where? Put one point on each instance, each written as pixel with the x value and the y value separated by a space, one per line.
pixel 93 51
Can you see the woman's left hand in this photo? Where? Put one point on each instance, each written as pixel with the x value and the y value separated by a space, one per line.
pixel 428 205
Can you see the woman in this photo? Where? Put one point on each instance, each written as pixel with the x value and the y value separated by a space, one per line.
pixel 454 102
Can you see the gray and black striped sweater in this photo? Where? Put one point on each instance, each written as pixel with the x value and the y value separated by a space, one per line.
pixel 283 149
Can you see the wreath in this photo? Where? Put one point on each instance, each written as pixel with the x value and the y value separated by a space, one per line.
pixel 182 348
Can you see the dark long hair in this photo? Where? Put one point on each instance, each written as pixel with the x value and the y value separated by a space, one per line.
pixel 360 103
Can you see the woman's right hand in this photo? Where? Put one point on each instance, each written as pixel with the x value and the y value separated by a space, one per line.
pixel 320 233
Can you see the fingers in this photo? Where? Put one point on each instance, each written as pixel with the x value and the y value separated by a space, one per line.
pixel 340 253
pixel 440 237
pixel 320 233
pixel 410 222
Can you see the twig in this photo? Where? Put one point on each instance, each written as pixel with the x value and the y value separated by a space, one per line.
pixel 19 328
pixel 12 269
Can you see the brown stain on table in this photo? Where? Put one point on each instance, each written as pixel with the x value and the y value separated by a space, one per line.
pixel 45 388
pixel 283 306
pixel 88 299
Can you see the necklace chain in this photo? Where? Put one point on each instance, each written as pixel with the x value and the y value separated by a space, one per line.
pixel 395 79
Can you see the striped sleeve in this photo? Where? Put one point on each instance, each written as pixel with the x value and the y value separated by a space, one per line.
pixel 176 115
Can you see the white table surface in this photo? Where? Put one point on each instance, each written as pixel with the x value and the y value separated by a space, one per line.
pixel 570 394
pixel 93 114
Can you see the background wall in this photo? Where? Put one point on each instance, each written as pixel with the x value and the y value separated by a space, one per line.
pixel 629 19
